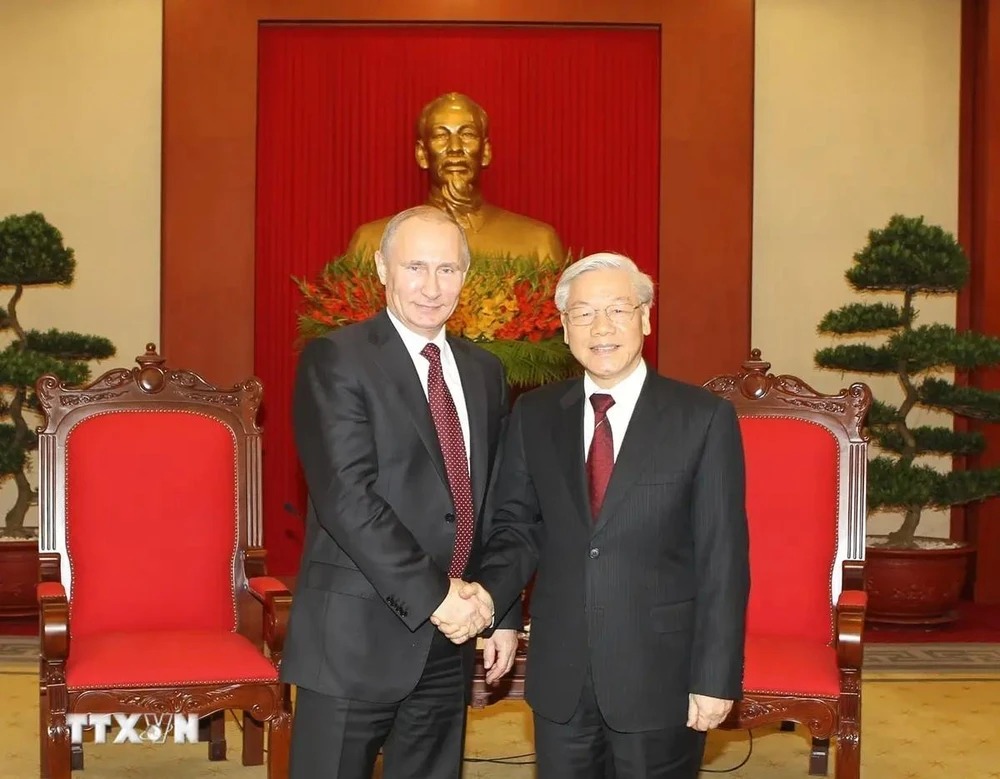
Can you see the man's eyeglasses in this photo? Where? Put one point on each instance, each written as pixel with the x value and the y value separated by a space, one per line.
pixel 619 314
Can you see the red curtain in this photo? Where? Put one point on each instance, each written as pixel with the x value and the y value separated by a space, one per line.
pixel 574 121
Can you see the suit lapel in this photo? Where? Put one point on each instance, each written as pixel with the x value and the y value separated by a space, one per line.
pixel 651 421
pixel 397 365
pixel 475 403
pixel 569 436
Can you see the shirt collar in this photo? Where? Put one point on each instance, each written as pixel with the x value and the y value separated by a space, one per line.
pixel 627 390
pixel 414 342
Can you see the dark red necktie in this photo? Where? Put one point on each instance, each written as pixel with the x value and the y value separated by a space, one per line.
pixel 456 464
pixel 601 458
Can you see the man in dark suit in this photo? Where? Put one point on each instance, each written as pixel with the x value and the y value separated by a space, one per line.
pixel 641 550
pixel 397 427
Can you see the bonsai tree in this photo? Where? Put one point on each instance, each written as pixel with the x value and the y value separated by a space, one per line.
pixel 909 258
pixel 32 254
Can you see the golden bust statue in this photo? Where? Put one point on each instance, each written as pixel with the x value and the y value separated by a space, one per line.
pixel 453 146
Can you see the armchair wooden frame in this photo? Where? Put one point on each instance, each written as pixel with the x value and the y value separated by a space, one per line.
pixel 755 392
pixel 154 387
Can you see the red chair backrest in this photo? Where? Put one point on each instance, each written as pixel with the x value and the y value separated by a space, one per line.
pixel 792 510
pixel 806 481
pixel 152 525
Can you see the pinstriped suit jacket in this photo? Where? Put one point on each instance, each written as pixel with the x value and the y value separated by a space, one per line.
pixel 652 595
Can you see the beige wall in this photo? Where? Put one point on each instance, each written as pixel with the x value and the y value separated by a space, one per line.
pixel 80 142
pixel 856 117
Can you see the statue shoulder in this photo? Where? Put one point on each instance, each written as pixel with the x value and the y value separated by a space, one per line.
pixel 546 237
pixel 368 236
pixel 533 231
pixel 523 222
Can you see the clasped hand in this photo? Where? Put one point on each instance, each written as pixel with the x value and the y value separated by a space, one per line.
pixel 466 610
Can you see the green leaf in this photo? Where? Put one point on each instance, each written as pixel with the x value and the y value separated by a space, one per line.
pixel 32 252
pixel 12 458
pixel 895 485
pixel 23 368
pixel 862 318
pixel 531 363
pixel 924 348
pixel 963 401
pixel 909 255
pixel 940 346
pixel 930 440
pixel 882 413
pixel 70 346
pixel 859 358
pixel 967 486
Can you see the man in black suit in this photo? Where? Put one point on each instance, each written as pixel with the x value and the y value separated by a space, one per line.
pixel 641 550
pixel 397 427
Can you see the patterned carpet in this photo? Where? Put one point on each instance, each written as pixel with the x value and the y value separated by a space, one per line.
pixel 929 713
pixel 892 658
pixel 932 658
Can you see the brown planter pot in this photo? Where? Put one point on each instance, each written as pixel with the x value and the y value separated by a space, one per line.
pixel 18 578
pixel 918 587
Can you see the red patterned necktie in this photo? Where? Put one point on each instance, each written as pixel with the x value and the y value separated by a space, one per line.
pixel 449 433
pixel 601 458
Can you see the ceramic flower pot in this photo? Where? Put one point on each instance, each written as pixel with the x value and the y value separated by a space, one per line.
pixel 18 578
pixel 918 586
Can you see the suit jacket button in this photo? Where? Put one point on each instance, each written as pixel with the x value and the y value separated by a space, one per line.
pixel 449 517
pixel 595 553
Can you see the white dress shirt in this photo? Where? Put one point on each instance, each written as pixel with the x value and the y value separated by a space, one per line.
pixel 626 395
pixel 414 343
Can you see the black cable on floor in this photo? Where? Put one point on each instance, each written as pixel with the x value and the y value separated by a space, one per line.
pixel 735 767
pixel 528 759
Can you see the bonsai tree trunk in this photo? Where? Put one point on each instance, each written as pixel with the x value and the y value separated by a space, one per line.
pixel 903 535
pixel 14 521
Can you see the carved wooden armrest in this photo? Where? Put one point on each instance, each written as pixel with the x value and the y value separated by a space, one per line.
pixel 851 606
pixel 53 616
pixel 277 601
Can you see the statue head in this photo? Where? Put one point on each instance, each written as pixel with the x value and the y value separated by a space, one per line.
pixel 453 146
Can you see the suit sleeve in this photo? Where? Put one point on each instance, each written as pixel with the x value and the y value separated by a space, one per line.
pixel 514 534
pixel 514 618
pixel 337 449
pixel 721 543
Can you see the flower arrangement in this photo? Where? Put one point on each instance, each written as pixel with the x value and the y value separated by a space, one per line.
pixel 507 307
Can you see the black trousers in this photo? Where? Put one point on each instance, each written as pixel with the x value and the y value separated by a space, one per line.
pixel 586 748
pixel 421 737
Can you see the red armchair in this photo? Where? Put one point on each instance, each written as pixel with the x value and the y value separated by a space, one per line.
pixel 150 549
pixel 806 461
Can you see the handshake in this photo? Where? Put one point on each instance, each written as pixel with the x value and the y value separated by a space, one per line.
pixel 465 612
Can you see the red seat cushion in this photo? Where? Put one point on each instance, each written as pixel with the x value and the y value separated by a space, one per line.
pixel 790 666
pixel 169 658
